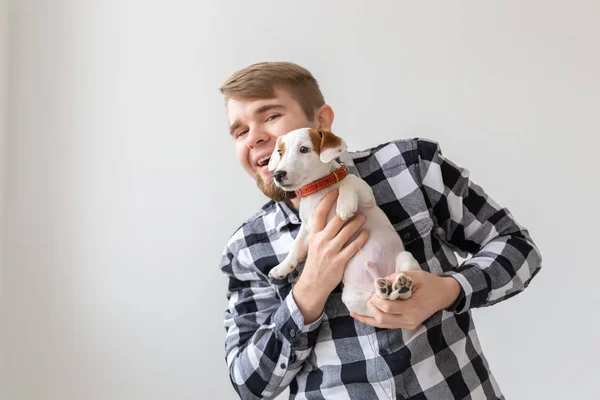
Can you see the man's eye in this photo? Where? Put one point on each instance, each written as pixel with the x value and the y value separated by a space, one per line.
pixel 272 117
pixel 241 133
pixel 304 149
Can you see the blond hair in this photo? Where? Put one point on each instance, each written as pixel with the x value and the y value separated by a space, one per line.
pixel 259 81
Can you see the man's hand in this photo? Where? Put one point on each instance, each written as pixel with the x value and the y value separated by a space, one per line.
pixel 329 250
pixel 431 293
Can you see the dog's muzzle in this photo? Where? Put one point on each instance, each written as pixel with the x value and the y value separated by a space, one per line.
pixel 279 176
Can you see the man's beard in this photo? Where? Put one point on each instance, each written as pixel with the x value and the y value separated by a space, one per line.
pixel 273 191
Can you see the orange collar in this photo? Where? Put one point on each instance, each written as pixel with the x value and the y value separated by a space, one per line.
pixel 322 183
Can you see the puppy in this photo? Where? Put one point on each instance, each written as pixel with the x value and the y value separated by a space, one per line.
pixel 304 160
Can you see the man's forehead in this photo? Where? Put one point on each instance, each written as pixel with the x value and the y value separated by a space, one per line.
pixel 250 106
pixel 239 108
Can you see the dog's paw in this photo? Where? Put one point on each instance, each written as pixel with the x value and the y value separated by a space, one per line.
pixel 281 271
pixel 346 208
pixel 383 288
pixel 401 287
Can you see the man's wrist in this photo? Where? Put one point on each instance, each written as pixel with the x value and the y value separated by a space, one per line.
pixel 309 302
pixel 451 290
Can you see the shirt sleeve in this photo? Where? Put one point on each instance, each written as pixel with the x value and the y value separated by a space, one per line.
pixel 504 257
pixel 266 339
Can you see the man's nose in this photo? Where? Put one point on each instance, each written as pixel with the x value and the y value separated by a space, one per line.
pixel 279 175
pixel 256 137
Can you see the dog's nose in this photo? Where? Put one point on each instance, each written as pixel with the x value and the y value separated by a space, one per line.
pixel 279 175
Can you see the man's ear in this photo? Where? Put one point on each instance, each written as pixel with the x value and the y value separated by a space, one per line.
pixel 324 116
pixel 275 157
pixel 332 146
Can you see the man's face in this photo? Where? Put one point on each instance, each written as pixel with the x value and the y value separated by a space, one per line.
pixel 255 126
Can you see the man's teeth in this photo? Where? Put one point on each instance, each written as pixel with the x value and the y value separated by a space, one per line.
pixel 264 160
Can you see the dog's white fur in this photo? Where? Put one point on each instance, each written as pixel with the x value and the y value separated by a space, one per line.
pixel 382 254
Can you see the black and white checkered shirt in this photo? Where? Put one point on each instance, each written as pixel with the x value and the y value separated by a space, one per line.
pixel 438 212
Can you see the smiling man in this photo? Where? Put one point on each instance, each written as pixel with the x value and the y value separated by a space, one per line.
pixel 296 331
pixel 255 126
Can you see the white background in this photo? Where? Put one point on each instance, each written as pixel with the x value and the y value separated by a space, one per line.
pixel 120 185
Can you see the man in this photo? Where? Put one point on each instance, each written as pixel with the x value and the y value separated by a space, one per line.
pixel 296 331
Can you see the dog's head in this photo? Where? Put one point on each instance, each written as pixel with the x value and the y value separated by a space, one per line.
pixel 303 156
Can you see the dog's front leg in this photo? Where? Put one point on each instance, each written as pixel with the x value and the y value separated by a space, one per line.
pixel 296 255
pixel 354 192
pixel 347 202
pixel 366 198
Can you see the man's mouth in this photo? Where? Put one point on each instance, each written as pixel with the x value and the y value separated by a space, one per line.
pixel 263 161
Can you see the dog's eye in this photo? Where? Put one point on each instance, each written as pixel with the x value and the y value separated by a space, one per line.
pixel 304 149
pixel 279 152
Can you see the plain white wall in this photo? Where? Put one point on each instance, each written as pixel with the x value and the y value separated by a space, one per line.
pixel 122 186
pixel 3 123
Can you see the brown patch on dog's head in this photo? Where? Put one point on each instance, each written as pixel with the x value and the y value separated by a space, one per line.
pixel 281 147
pixel 324 140
pixel 329 140
pixel 316 136
pixel 276 155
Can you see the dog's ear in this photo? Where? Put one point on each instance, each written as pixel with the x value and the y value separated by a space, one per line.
pixel 275 157
pixel 332 146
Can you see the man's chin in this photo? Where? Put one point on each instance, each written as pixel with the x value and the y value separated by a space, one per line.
pixel 273 191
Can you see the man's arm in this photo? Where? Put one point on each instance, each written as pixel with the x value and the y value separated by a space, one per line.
pixel 266 341
pixel 505 259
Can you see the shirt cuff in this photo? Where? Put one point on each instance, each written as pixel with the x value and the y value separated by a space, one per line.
pixel 474 285
pixel 313 325
pixel 290 322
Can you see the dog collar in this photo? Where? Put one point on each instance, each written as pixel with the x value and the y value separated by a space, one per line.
pixel 322 183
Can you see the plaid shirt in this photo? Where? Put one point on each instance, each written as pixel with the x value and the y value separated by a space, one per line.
pixel 438 212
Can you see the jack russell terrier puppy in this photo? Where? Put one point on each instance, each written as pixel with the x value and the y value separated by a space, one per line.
pixel 304 160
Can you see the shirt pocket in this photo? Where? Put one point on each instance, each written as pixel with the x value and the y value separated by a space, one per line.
pixel 417 235
pixel 414 228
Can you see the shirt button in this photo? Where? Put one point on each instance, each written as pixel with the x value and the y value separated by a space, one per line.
pixel 407 236
pixel 383 352
pixel 282 365
pixel 292 333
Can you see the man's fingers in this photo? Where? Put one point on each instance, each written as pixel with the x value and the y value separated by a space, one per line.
pixel 350 229
pixel 387 322
pixel 365 320
pixel 381 319
pixel 333 227
pixel 355 245
pixel 389 306
pixel 319 218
